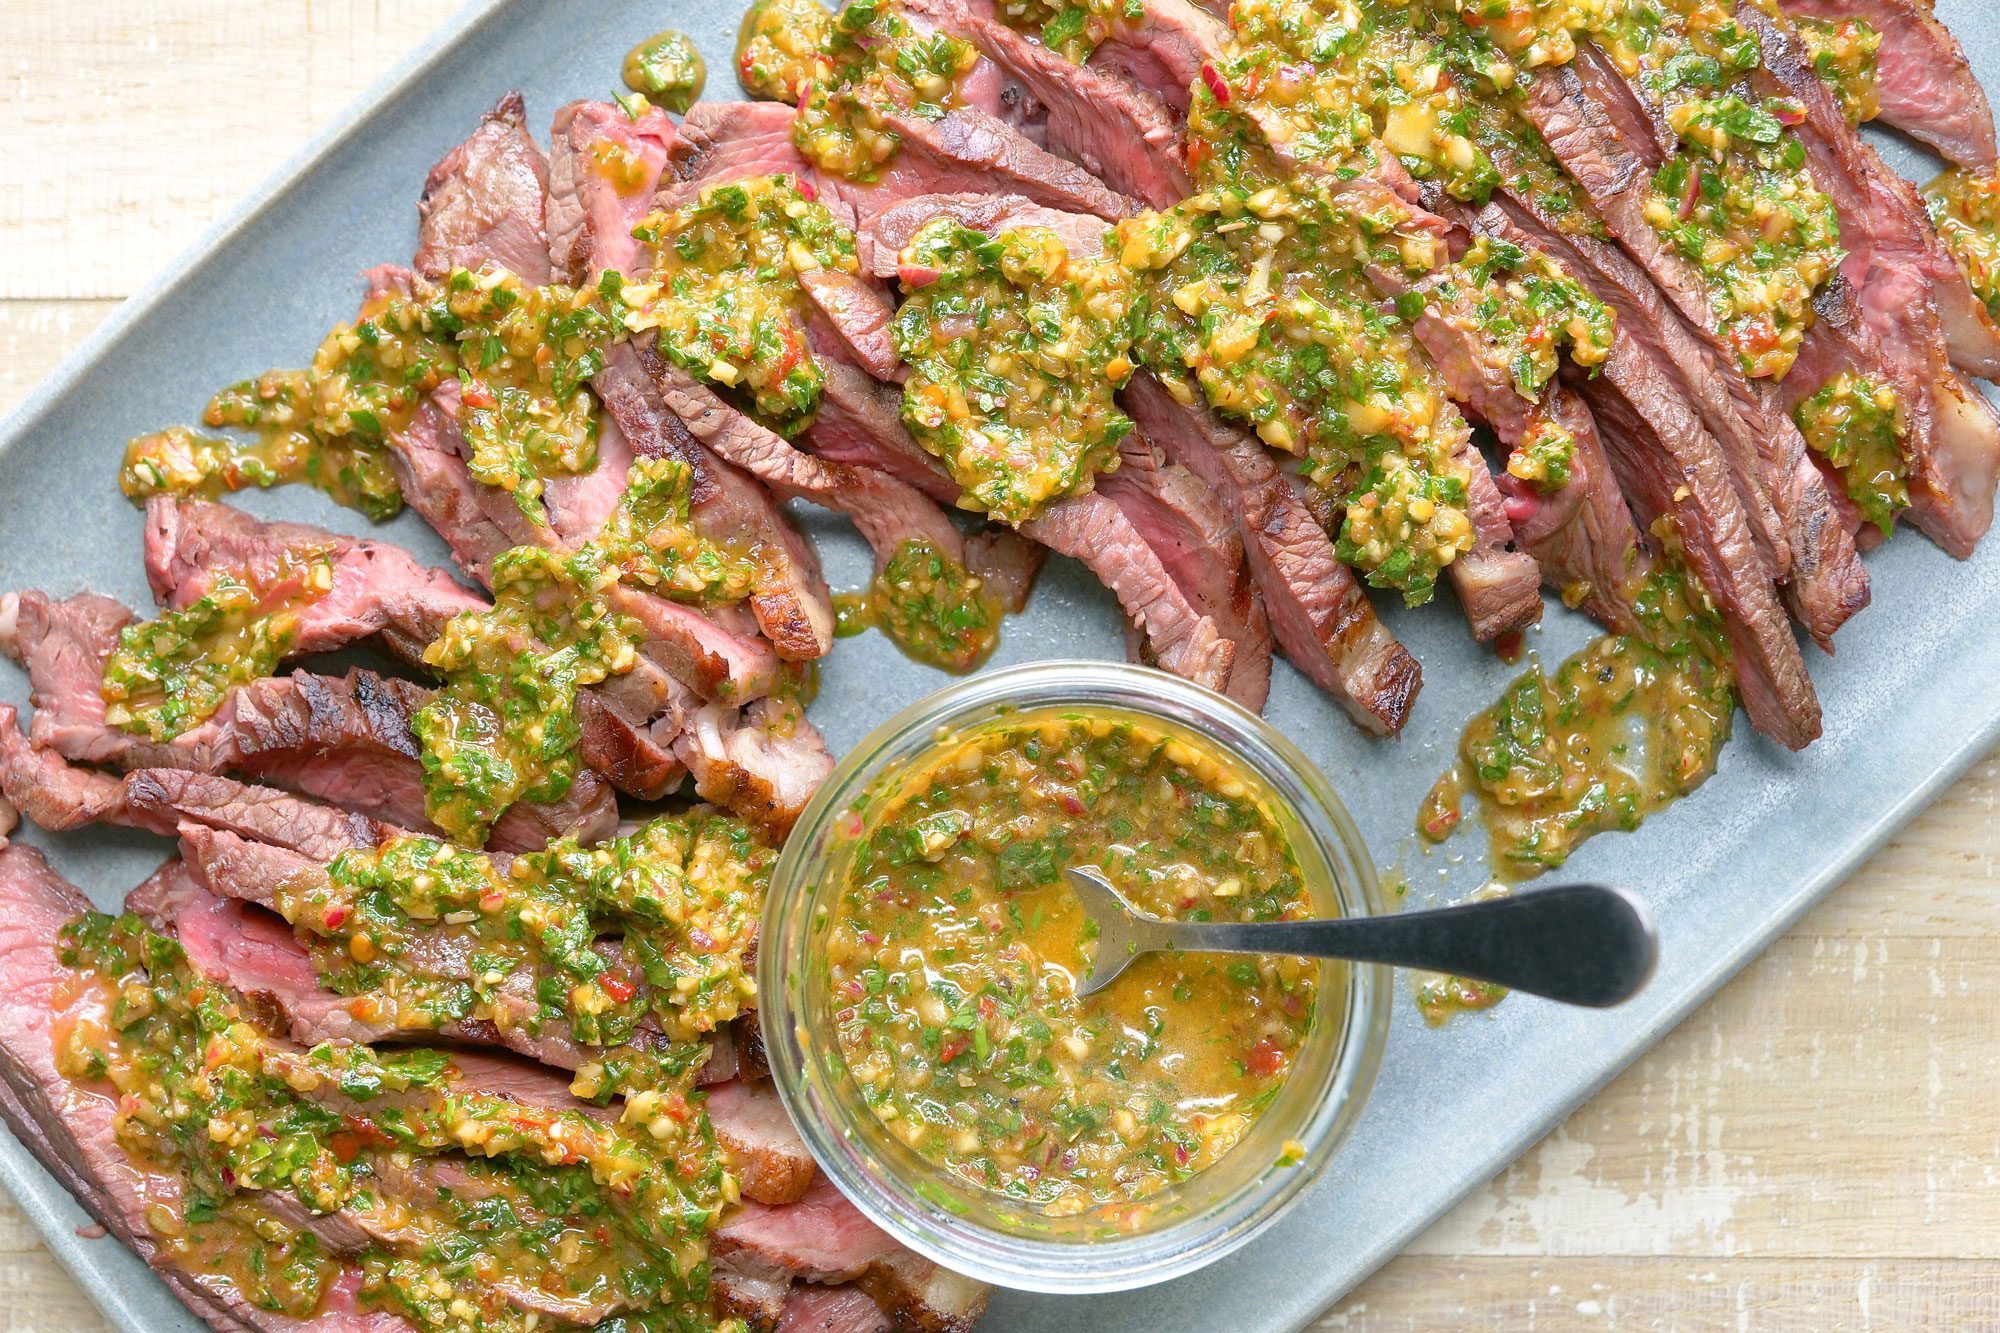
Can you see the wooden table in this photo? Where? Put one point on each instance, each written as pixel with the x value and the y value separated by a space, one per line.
pixel 1818 1147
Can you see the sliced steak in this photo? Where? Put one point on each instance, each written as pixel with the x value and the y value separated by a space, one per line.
pixel 344 740
pixel 1804 542
pixel 70 1127
pixel 483 201
pixel 40 787
pixel 883 237
pixel 814 1309
pixel 1925 85
pixel 1789 502
pixel 379 590
pixel 1191 530
pixel 1669 466
pixel 965 151
pixel 1322 619
pixel 770 1159
pixel 590 214
pixel 762 762
pixel 1096 115
pixel 1919 313
pixel 824 1238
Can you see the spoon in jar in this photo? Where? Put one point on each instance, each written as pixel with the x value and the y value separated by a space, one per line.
pixel 1588 944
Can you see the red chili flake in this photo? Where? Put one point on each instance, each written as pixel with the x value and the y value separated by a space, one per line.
pixel 228 1178
pixel 1788 113
pixel 491 900
pixel 1069 802
pixel 1440 827
pixel 1181 1155
pixel 619 989
pixel 953 1047
pixel 475 394
pixel 1218 87
pixel 1265 1058
pixel 807 190
pixel 846 1015
pixel 335 917
pixel 986 1006
pixel 917 275
pixel 1510 646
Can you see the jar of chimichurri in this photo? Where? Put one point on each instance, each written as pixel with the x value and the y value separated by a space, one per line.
pixel 917 969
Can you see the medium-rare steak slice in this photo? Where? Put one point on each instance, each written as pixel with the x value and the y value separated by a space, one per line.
pixel 344 740
pixel 1913 298
pixel 378 590
pixel 1196 538
pixel 71 1127
pixel 1791 505
pixel 256 954
pixel 966 151
pixel 824 1238
pixel 1924 84
pixel 1097 116
pixel 483 201
pixel 1323 621
pixel 1670 467
pixel 882 238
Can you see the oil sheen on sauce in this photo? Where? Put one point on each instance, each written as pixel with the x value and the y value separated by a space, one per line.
pixel 953 954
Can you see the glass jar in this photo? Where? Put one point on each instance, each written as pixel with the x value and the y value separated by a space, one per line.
pixel 987 1235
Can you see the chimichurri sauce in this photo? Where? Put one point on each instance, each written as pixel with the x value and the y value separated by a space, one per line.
pixel 878 65
pixel 1015 350
pixel 666 70
pixel 929 605
pixel 782 48
pixel 171 674
pixel 1856 425
pixel 1620 729
pixel 392 928
pixel 1965 205
pixel 953 954
pixel 466 1202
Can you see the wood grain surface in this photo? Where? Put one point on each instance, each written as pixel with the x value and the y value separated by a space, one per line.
pixel 1817 1148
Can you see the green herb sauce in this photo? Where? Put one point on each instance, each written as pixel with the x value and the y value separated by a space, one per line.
pixel 929 605
pixel 1856 425
pixel 1622 728
pixel 1015 350
pixel 463 1197
pixel 953 951
pixel 666 70
pixel 880 65
pixel 782 48
pixel 171 674
pixel 1843 54
pixel 1965 206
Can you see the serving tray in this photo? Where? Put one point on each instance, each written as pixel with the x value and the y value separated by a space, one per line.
pixel 1910 701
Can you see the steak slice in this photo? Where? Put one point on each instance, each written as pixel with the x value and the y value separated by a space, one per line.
pixel 883 237
pixel 1914 301
pixel 1096 115
pixel 38 786
pixel 770 1159
pixel 1190 529
pixel 344 740
pixel 70 1126
pixel 1789 502
pixel 590 220
pixel 967 150
pixel 1669 466
pixel 815 1309
pixel 1323 621
pixel 1925 85
pixel 824 1238
pixel 483 201
pixel 379 590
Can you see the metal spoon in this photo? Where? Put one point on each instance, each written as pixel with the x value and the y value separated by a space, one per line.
pixel 1588 944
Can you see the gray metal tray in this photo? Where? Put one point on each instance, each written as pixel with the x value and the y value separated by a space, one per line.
pixel 1910 702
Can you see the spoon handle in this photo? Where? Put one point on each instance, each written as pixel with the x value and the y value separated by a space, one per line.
pixel 1588 944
